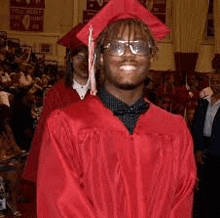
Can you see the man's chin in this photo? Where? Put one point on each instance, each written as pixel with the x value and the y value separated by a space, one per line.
pixel 128 86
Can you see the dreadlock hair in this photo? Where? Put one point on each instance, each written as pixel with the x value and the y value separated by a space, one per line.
pixel 69 63
pixel 112 31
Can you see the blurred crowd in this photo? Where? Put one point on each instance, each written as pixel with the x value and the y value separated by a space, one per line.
pixel 178 98
pixel 25 77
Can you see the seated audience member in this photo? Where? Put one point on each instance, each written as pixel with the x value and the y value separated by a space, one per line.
pixel 4 98
pixel 5 78
pixel 69 90
pixel 45 78
pixel 26 73
pixel 37 106
pixel 8 150
pixel 22 120
pixel 9 146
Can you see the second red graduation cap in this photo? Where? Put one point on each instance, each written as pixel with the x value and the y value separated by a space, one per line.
pixel 70 40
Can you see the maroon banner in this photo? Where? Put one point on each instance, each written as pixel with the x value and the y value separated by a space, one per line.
pixel 28 3
pixel 210 22
pixel 157 7
pixel 26 19
pixel 98 4
pixel 27 15
pixel 88 14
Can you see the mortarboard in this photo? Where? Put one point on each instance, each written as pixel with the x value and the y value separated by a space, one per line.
pixel 110 13
pixel 121 9
pixel 70 40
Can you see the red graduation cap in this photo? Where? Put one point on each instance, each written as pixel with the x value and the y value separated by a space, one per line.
pixel 121 9
pixel 70 40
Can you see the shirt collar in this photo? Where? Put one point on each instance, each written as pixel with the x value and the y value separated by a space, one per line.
pixel 76 85
pixel 80 89
pixel 117 105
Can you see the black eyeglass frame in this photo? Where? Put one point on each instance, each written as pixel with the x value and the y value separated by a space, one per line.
pixel 128 44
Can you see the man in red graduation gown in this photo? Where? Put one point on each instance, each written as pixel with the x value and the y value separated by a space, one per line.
pixel 67 91
pixel 116 155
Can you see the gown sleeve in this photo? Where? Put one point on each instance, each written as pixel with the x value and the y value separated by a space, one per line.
pixel 186 176
pixel 60 193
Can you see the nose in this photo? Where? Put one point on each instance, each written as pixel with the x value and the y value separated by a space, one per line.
pixel 127 51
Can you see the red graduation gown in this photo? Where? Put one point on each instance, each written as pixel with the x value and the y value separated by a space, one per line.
pixel 57 97
pixel 91 167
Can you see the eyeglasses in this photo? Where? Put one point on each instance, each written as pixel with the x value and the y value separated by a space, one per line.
pixel 81 56
pixel 139 47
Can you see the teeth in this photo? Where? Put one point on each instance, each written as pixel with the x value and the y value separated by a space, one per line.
pixel 127 67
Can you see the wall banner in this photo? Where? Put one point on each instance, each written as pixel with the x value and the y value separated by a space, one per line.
pixel 210 21
pixel 27 15
pixel 157 7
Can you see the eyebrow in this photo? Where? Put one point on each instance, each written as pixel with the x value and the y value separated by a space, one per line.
pixel 83 53
pixel 123 41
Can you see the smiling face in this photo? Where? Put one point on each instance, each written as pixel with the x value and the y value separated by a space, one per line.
pixel 80 65
pixel 129 70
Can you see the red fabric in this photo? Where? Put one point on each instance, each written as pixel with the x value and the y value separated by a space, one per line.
pixel 183 100
pixel 177 99
pixel 91 167
pixel 119 9
pixel 70 40
pixel 58 97
pixel 182 95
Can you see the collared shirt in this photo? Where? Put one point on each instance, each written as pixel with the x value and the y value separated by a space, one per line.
pixel 80 89
pixel 127 114
pixel 210 115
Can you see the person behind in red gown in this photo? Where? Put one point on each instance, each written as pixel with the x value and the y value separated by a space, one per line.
pixel 116 155
pixel 66 91
pixel 186 97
